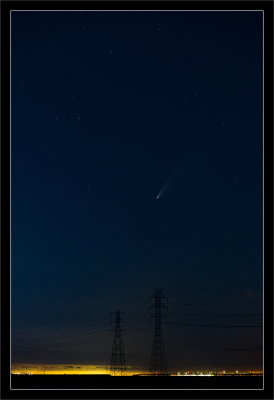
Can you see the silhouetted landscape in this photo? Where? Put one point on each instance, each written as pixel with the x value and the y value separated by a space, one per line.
pixel 109 382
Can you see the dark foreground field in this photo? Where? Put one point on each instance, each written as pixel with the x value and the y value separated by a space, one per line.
pixel 134 382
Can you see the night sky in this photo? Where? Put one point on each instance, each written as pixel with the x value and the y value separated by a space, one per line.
pixel 109 110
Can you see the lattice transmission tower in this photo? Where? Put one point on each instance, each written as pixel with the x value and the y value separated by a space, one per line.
pixel 158 364
pixel 118 362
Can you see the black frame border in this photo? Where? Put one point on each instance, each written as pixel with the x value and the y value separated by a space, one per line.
pixel 267 7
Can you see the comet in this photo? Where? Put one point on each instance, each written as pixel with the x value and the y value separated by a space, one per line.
pixel 191 167
pixel 160 193
pixel 181 174
pixel 173 178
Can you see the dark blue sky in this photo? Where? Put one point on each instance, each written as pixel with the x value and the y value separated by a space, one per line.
pixel 108 108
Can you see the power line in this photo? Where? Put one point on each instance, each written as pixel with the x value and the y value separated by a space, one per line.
pixel 118 362
pixel 217 304
pixel 215 326
pixel 216 315
pixel 158 358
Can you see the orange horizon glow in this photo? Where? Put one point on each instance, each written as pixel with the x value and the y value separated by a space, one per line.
pixel 78 369
pixel 68 369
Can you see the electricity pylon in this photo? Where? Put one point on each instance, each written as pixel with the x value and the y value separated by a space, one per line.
pixel 158 358
pixel 118 363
